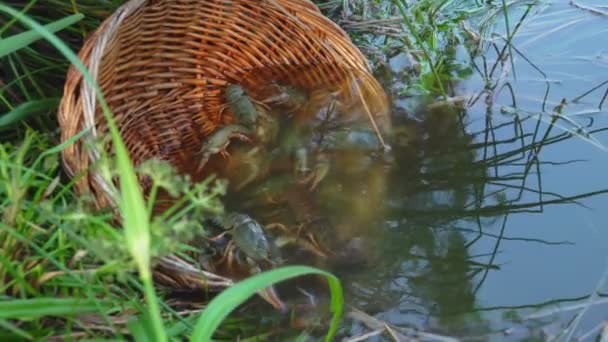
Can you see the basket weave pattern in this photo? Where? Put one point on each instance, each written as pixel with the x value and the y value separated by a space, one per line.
pixel 163 66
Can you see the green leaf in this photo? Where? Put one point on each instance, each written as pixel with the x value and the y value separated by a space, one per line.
pixel 141 329
pixel 40 307
pixel 24 110
pixel 23 39
pixel 9 331
pixel 221 306
pixel 132 206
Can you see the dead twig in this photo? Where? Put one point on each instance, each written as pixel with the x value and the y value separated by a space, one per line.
pixel 364 336
pixel 174 263
pixel 370 116
pixel 391 332
pixel 588 8
pixel 600 327
pixel 561 310
pixel 413 334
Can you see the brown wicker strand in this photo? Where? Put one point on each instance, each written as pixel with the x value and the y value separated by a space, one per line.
pixel 163 66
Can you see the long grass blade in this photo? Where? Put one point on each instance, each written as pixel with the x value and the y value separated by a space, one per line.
pixel 221 306
pixel 25 110
pixel 40 307
pixel 21 40
pixel 12 329
pixel 131 204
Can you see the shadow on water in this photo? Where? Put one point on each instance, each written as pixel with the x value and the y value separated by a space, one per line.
pixel 493 206
pixel 453 194
pixel 494 198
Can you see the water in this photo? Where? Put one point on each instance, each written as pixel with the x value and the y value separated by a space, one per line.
pixel 469 239
pixel 486 215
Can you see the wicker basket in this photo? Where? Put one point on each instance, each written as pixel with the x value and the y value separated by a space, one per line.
pixel 163 66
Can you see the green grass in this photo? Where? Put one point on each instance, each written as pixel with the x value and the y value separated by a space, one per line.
pixel 69 271
pixel 434 35
pixel 223 304
pixel 44 233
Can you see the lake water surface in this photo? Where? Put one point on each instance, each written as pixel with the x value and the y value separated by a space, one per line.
pixel 491 214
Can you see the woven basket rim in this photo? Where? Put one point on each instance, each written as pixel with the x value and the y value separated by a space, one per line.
pixel 93 59
pixel 79 109
pixel 102 35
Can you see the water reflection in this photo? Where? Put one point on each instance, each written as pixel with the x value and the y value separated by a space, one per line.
pixel 476 210
pixel 475 188
pixel 451 198
pixel 425 264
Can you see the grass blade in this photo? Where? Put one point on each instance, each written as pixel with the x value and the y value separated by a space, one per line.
pixel 12 329
pixel 221 306
pixel 24 110
pixel 21 40
pixel 131 204
pixel 40 307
